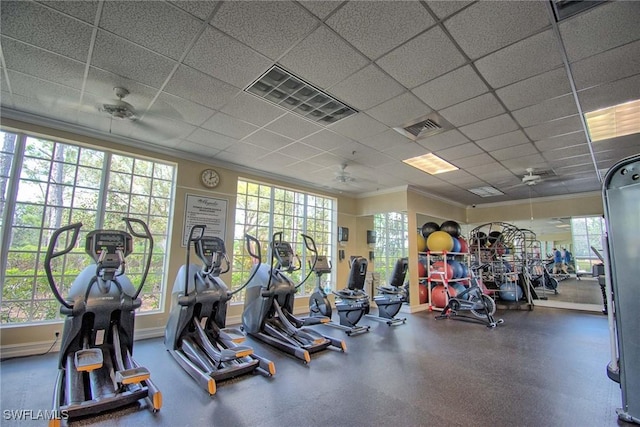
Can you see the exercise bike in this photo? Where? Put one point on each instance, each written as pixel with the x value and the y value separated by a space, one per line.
pixel 96 370
pixel 268 304
pixel 353 302
pixel 391 297
pixel 196 334
pixel 473 300
pixel 319 304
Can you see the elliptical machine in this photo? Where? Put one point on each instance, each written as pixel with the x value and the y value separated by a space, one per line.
pixel 353 302
pixel 319 304
pixel 96 371
pixel 391 297
pixel 268 304
pixel 195 334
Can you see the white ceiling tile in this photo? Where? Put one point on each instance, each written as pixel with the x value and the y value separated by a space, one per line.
pixel 268 140
pixel 399 110
pixel 293 127
pixel 226 59
pixel 325 140
pixel 444 8
pixel 485 168
pixel 99 88
pixel 42 64
pixel 489 127
pixel 567 153
pixel 179 108
pixel 460 151
pixel 202 151
pixel 513 152
pixel 300 151
pixel 270 27
pixel 199 87
pixel 477 160
pixel 601 28
pixel 320 8
pixel 554 128
pixel 84 10
pixel 607 66
pixel 45 28
pixel 473 110
pixel 557 142
pixel 531 56
pixel 230 126
pixel 503 141
pixel 323 58
pixel 385 140
pixel 489 26
pixel 551 109
pixel 158 26
pixel 610 94
pixel 211 139
pixel 252 109
pixel 358 126
pixel 443 140
pixel 458 177
pixel 366 88
pixel 451 88
pixel 51 96
pixel 405 150
pixel 350 150
pixel 121 57
pixel 326 160
pixel 201 9
pixel 276 162
pixel 160 129
pixel 535 89
pixel 520 164
pixel 242 151
pixel 423 58
pixel 374 159
pixel 377 27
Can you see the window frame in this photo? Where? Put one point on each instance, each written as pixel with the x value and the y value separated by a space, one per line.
pixel 385 261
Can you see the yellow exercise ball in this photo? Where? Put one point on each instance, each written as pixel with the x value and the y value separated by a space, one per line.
pixel 440 241
pixel 422 243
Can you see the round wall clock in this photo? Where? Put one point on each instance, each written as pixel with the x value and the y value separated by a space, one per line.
pixel 210 178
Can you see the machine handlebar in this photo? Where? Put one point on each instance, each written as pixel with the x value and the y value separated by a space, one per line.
pixel 52 254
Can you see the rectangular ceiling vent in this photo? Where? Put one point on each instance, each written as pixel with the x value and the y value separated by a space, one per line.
pixel 424 126
pixel 564 9
pixel 290 92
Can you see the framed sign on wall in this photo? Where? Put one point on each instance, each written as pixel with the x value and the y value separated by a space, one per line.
pixel 208 211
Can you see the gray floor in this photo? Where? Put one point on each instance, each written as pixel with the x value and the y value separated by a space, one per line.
pixel 540 368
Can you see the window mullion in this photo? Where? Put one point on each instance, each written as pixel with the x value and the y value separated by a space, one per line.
pixel 10 202
pixel 102 194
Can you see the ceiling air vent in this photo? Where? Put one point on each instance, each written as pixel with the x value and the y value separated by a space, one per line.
pixel 424 126
pixel 290 92
pixel 563 9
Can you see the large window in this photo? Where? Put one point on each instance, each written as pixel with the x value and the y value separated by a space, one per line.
pixel 46 185
pixel 262 210
pixel 392 241
pixel 586 232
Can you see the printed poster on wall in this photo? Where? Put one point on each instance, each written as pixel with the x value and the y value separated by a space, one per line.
pixel 209 211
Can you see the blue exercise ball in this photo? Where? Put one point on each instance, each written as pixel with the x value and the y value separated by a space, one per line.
pixel 456 266
pixel 459 289
pixel 456 245
pixel 510 291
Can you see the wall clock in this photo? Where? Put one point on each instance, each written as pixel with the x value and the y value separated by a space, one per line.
pixel 210 178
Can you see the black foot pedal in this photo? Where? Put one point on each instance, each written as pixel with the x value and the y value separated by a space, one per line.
pixel 88 359
pixel 133 375
pixel 229 354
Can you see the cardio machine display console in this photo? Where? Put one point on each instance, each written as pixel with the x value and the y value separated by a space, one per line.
pixel 284 253
pixel 104 245
pixel 210 250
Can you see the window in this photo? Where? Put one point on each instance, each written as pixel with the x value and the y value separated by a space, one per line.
pixel 586 232
pixel 391 243
pixel 46 185
pixel 262 210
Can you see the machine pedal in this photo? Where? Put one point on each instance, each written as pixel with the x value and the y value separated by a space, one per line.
pixel 229 354
pixel 88 359
pixel 133 375
pixel 232 334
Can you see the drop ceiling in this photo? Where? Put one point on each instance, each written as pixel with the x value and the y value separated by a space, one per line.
pixel 494 70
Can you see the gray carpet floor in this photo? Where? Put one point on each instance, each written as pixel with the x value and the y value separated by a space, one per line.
pixel 545 367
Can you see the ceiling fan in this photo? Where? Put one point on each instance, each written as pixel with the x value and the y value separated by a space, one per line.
pixel 342 176
pixel 119 109
pixel 530 178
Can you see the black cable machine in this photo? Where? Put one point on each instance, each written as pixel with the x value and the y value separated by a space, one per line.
pixel 96 370
pixel 268 304
pixel 196 334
